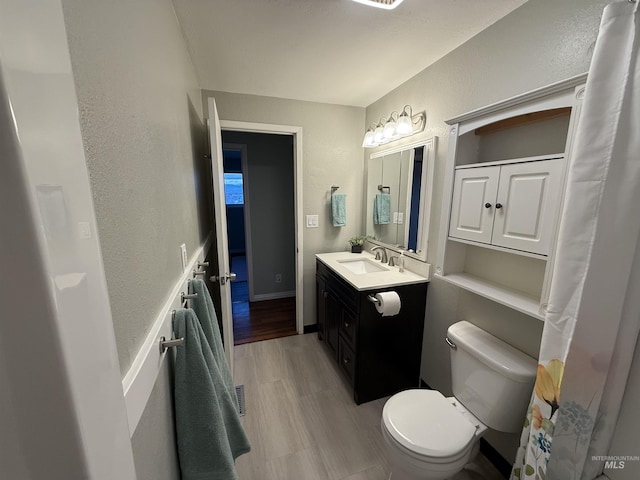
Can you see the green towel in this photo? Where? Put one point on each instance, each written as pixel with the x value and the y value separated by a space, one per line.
pixel 339 209
pixel 206 313
pixel 382 209
pixel 209 434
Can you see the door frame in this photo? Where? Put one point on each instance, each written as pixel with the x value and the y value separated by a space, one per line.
pixel 296 132
pixel 242 148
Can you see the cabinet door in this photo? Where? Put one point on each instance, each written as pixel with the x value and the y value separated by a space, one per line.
pixel 321 307
pixel 333 319
pixel 472 210
pixel 529 194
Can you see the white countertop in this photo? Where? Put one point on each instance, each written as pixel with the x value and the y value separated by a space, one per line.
pixel 390 277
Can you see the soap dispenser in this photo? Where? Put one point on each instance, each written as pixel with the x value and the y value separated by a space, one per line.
pixel 401 262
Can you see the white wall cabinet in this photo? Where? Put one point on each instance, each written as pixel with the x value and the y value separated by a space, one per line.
pixel 503 191
pixel 473 204
pixel 513 205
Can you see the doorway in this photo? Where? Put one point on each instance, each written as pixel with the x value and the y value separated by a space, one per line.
pixel 260 208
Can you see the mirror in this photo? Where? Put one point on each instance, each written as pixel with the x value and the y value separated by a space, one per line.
pixel 399 188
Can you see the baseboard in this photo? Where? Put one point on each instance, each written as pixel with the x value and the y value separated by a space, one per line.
pixel 272 296
pixel 498 461
pixel 311 328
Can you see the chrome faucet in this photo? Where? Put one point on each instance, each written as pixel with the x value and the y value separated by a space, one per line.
pixel 381 253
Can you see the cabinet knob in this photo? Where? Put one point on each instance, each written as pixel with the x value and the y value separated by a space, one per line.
pixel 345 361
pixel 325 294
pixel 498 205
pixel 346 324
pixel 487 205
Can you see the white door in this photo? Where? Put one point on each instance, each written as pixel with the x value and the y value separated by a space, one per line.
pixel 219 205
pixel 473 205
pixel 528 194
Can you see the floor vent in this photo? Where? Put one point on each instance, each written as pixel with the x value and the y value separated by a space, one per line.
pixel 240 394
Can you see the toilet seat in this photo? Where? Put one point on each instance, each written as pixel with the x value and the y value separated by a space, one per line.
pixel 426 424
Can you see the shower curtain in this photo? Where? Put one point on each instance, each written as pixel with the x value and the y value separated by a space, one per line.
pixel 593 317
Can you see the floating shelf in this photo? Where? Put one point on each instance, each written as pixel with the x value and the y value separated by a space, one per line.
pixel 514 299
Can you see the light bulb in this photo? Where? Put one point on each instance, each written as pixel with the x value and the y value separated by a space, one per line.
pixel 378 134
pixel 368 139
pixel 404 126
pixel 389 129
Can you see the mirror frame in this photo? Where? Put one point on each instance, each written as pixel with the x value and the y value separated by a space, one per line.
pixel 424 217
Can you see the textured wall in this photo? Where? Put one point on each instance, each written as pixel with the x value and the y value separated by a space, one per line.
pixel 144 138
pixel 271 204
pixel 141 119
pixel 332 154
pixel 542 42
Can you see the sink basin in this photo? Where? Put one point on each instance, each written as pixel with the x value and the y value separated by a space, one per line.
pixel 362 265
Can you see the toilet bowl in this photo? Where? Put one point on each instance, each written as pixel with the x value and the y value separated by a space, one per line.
pixel 430 437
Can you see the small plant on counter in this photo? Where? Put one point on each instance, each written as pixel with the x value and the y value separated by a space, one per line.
pixel 357 243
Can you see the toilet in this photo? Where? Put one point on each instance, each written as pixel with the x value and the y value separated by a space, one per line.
pixel 428 436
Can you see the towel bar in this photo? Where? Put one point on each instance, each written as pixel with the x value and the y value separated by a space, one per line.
pixel 174 342
pixel 195 273
pixel 187 296
pixel 334 188
pixel 203 264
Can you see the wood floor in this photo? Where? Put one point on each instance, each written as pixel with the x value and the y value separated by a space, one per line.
pixel 257 321
pixel 302 422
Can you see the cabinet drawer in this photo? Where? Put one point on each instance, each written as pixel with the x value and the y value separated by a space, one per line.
pixel 348 327
pixel 347 360
pixel 340 288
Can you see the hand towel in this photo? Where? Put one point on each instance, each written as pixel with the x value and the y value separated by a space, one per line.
pixel 382 209
pixel 339 209
pixel 203 306
pixel 209 434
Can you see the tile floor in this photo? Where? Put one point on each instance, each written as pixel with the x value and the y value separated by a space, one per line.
pixel 302 421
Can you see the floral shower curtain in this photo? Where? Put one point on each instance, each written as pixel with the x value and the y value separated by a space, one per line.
pixel 593 317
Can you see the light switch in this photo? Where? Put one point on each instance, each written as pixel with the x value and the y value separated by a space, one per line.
pixel 395 217
pixel 400 217
pixel 312 221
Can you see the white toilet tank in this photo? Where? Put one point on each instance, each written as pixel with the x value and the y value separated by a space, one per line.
pixel 490 378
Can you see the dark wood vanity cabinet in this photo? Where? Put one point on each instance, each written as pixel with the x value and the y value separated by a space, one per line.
pixel 378 355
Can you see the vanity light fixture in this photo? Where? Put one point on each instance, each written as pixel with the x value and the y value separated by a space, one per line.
pixel 395 127
pixel 386 4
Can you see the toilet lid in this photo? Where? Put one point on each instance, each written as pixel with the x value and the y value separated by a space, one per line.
pixel 426 423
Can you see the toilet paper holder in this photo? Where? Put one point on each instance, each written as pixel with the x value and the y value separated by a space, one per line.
pixel 373 299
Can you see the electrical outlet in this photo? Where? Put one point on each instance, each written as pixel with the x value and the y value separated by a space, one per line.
pixel 183 256
pixel 278 278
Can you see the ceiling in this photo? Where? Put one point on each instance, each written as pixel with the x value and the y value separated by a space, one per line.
pixel 329 51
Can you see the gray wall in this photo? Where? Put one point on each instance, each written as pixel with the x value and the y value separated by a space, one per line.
pixel 141 120
pixel 144 137
pixel 332 153
pixel 542 42
pixel 269 194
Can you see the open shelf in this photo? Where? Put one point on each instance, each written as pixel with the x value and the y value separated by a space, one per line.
pixel 515 299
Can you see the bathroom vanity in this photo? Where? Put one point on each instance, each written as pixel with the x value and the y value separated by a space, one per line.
pixel 378 355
